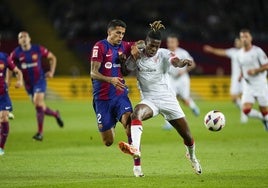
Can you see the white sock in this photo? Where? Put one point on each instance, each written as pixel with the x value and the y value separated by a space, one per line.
pixel 265 117
pixel 136 131
pixel 192 104
pixel 191 151
pixel 255 114
pixel 238 103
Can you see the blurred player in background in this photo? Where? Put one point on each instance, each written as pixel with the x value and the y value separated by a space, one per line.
pixel 179 77
pixel 5 102
pixel 152 65
pixel 110 94
pixel 28 58
pixel 254 65
pixel 236 83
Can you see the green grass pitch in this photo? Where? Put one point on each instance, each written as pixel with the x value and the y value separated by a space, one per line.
pixel 74 156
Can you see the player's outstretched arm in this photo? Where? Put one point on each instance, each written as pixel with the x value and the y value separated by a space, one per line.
pixel 53 62
pixel 215 51
pixel 95 74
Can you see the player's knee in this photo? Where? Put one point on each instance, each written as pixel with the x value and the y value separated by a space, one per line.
pixel 246 110
pixel 4 116
pixel 108 143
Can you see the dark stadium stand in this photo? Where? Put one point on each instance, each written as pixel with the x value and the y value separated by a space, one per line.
pixel 194 20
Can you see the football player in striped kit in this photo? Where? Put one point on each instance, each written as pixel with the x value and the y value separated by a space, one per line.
pixel 28 58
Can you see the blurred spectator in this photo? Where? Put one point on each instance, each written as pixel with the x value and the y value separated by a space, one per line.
pixel 195 20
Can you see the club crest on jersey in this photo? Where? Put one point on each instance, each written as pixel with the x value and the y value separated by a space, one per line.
pixel 34 57
pixel 108 65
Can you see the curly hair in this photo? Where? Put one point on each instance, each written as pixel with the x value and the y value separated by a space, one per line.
pixel 155 28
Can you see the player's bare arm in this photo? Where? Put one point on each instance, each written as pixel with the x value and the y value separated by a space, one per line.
pixel 19 76
pixel 8 77
pixel 253 72
pixel 176 62
pixel 53 62
pixel 215 51
pixel 190 68
pixel 95 74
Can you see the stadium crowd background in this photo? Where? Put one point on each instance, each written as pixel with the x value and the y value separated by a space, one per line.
pixel 81 23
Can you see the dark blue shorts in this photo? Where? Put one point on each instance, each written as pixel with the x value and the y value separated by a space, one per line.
pixel 39 87
pixel 109 112
pixel 5 103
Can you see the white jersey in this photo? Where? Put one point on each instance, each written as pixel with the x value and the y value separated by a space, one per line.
pixel 235 69
pixel 152 74
pixel 175 71
pixel 252 59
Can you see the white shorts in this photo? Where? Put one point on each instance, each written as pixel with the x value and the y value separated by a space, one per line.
pixel 251 95
pixel 236 86
pixel 181 86
pixel 167 106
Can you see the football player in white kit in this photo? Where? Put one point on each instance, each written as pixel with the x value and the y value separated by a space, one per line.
pixel 179 77
pixel 152 65
pixel 236 83
pixel 254 65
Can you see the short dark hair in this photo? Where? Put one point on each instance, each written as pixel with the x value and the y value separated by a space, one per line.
pixel 244 30
pixel 115 23
pixel 173 35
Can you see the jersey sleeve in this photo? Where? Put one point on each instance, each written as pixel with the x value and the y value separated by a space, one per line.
pixel 127 46
pixel 188 56
pixel 97 52
pixel 10 65
pixel 262 57
pixel 13 58
pixel 44 51
pixel 230 52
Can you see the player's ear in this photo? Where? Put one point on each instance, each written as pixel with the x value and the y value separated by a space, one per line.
pixel 109 31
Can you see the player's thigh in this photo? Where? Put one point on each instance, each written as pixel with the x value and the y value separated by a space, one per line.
pixel 181 127
pixel 235 88
pixel 247 99
pixel 122 108
pixel 39 90
pixel 145 110
pixel 106 119
pixel 5 103
pixel 184 88
pixel 263 102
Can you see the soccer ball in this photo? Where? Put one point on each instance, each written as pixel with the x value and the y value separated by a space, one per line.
pixel 214 120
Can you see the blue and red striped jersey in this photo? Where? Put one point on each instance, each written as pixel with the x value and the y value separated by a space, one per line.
pixel 108 56
pixel 30 63
pixel 5 63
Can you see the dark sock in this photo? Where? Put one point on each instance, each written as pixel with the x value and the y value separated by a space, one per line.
pixel 4 134
pixel 50 112
pixel 40 118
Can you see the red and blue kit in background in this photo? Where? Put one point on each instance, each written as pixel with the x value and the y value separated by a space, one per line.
pixel 109 103
pixel 5 63
pixel 30 63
